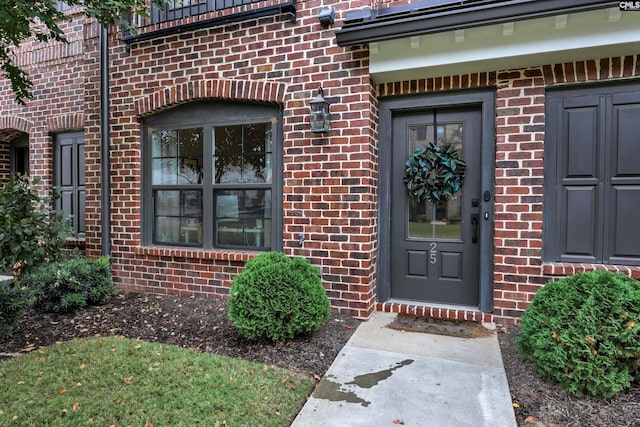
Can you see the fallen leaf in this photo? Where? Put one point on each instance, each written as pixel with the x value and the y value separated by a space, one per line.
pixel 148 424
pixel 1 412
pixel 528 420
pixel 516 405
pixel 631 325
pixel 348 326
pixel 397 421
pixel 40 359
pixel 284 380
pixel 316 377
pixel 83 366
pixel 127 380
pixel 65 410
pixel 278 413
pixel 75 406
pixel 15 417
pixel 62 390
pixel 138 346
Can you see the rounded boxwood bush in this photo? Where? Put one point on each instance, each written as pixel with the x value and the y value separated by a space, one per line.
pixel 583 331
pixel 276 297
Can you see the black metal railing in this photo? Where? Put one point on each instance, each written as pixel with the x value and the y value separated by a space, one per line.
pixel 187 15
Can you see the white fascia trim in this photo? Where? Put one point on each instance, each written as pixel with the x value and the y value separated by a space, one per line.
pixel 579 36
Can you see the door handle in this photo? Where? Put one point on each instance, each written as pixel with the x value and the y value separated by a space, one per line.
pixel 474 227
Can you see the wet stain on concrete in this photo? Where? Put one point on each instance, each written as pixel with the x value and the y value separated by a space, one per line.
pixel 333 391
pixel 372 379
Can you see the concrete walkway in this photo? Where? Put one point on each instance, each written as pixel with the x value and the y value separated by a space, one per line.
pixel 385 377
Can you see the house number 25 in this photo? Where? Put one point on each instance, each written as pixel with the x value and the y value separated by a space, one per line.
pixel 433 253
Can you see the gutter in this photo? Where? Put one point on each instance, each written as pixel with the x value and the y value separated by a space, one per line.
pixel 105 164
pixel 435 16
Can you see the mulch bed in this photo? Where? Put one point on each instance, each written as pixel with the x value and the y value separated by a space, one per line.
pixel 196 323
pixel 203 324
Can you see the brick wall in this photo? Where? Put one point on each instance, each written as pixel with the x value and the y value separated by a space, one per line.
pixel 58 72
pixel 329 180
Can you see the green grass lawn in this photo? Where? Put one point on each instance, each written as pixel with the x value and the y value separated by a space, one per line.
pixel 122 382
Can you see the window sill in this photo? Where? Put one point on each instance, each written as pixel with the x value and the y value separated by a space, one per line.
pixel 565 269
pixel 215 254
pixel 75 242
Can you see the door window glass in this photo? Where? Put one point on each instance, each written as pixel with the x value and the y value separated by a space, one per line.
pixel 441 220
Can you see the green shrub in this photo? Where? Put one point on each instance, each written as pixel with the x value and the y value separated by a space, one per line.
pixel 31 233
pixel 583 331
pixel 12 303
pixel 66 286
pixel 277 298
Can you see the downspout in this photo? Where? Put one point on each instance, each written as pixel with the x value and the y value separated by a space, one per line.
pixel 105 164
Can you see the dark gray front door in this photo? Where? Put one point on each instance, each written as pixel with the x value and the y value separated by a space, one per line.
pixel 435 246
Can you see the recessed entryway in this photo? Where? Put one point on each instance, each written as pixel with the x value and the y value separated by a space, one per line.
pixel 438 252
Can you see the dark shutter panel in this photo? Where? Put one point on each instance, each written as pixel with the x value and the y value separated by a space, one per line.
pixel 578 177
pixel 79 186
pixel 69 173
pixel 623 240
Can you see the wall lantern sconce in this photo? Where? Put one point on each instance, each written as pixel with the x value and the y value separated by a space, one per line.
pixel 320 121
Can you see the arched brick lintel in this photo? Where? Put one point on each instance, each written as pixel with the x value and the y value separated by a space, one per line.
pixel 65 122
pixel 17 123
pixel 243 90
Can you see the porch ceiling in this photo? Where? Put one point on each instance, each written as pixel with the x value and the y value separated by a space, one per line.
pixel 515 44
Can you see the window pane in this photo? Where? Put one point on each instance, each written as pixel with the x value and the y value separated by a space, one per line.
pixel 227 140
pixel 190 152
pixel 168 203
pixel 165 171
pixel 163 143
pixel 243 218
pixel 440 220
pixel 228 169
pixel 254 168
pixel 178 217
pixel 242 153
pixel 177 156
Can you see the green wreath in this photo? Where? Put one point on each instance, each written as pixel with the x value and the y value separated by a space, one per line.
pixel 435 173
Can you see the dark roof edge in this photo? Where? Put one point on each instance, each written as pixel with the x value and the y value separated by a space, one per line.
pixel 366 26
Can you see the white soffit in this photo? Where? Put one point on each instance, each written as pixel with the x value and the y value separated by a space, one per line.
pixel 557 39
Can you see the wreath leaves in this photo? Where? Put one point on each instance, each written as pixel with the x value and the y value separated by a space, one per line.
pixel 435 173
